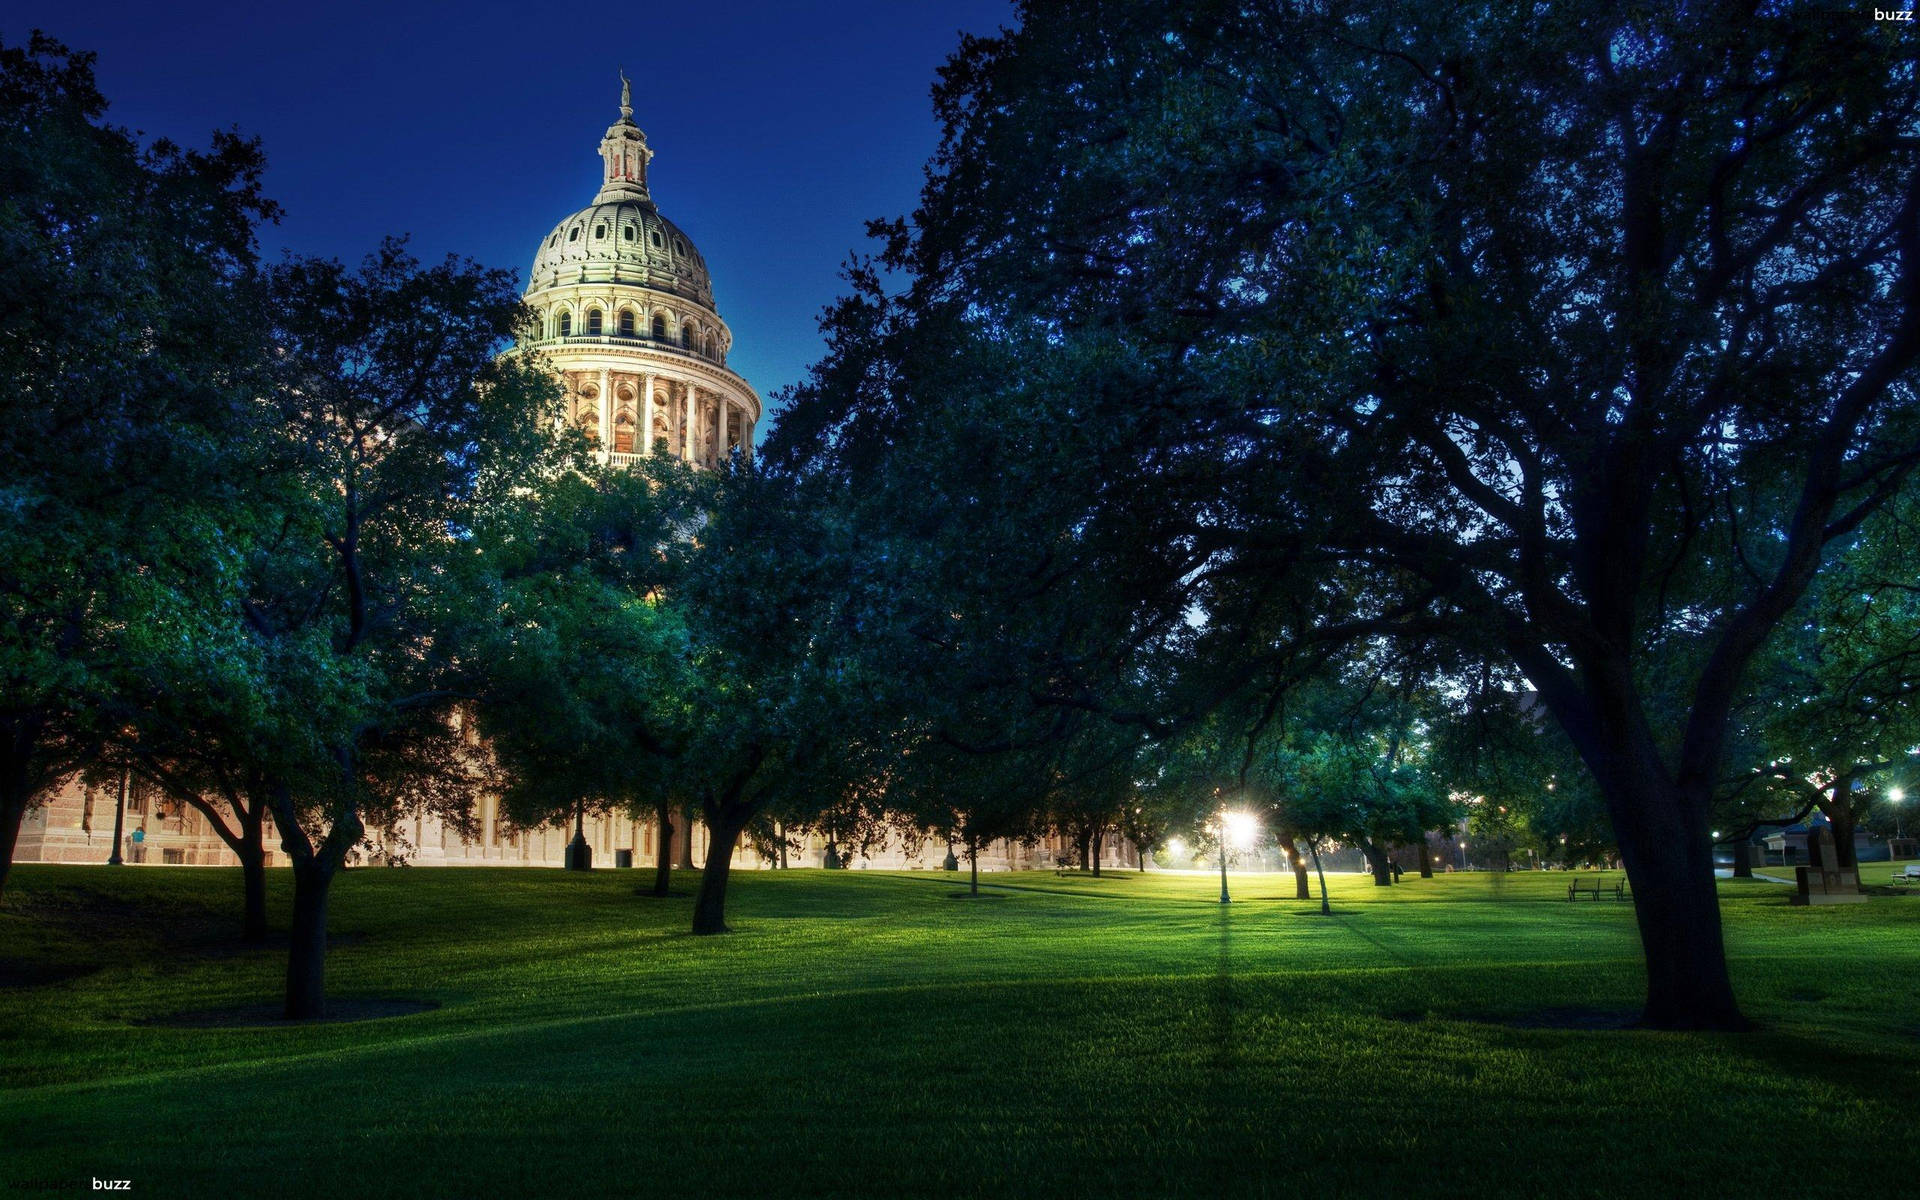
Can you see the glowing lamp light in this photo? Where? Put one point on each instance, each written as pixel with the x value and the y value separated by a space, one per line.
pixel 1241 828
pixel 1176 847
pixel 1896 794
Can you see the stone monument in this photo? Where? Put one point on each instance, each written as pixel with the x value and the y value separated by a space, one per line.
pixel 1824 880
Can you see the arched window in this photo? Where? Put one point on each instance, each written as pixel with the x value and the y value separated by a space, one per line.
pixel 626 231
pixel 659 327
pixel 554 240
pixel 593 322
pixel 623 433
pixel 686 337
pixel 679 247
pixel 599 231
pixel 573 235
pixel 653 236
pixel 565 324
pixel 626 322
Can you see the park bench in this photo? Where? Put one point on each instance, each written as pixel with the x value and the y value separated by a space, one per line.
pixel 1908 876
pixel 1597 889
pixel 1063 866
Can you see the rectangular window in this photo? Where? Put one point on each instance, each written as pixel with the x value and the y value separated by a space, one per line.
pixel 172 856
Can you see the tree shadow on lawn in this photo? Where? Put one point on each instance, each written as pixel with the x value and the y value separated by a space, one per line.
pixel 73 931
pixel 32 973
pixel 269 1015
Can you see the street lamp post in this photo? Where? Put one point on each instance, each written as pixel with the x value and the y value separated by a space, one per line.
pixel 1224 898
pixel 119 820
pixel 1898 796
pixel 1463 856
pixel 579 854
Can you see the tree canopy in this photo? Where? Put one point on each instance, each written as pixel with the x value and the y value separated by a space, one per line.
pixel 1573 337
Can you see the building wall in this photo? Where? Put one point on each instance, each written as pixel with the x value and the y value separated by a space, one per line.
pixel 77 827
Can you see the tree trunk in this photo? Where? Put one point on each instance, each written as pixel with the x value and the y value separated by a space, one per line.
pixel 1840 813
pixel 1302 890
pixel 1668 853
pixel 1377 859
pixel 18 749
pixel 686 843
pixel 710 905
pixel 1743 859
pixel 1099 843
pixel 663 852
pixel 1140 852
pixel 973 867
pixel 13 810
pixel 1326 909
pixel 1080 841
pixel 307 952
pixel 1426 858
pixel 253 879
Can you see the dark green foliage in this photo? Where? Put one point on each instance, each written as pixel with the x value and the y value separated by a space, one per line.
pixel 126 365
pixel 587 678
pixel 1571 337
pixel 405 447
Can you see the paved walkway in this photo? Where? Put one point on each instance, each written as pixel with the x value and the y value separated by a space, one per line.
pixel 1727 873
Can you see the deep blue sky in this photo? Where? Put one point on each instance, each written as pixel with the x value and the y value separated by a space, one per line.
pixel 777 128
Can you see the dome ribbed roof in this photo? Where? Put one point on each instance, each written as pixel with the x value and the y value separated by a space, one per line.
pixel 621 237
pixel 622 241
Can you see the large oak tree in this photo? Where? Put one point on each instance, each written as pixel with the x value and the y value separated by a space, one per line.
pixel 1574 336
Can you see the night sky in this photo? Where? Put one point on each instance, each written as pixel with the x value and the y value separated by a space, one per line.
pixel 778 128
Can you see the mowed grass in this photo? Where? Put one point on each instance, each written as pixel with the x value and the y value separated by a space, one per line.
pixel 868 1033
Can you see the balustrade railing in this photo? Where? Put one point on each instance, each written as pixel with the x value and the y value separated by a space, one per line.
pixel 634 339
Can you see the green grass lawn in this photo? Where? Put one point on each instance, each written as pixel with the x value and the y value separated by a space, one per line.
pixel 875 1033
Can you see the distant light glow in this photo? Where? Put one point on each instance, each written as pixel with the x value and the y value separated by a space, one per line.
pixel 1176 847
pixel 1896 794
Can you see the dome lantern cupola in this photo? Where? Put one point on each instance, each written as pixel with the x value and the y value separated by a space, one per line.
pixel 625 153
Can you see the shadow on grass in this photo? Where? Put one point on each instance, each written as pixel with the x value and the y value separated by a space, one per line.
pixel 29 973
pixel 1561 1017
pixel 267 1015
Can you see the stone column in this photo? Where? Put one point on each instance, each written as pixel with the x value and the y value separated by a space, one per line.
pixel 720 432
pixel 646 414
pixel 606 414
pixel 689 429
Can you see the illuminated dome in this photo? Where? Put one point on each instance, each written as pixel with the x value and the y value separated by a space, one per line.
pixel 627 319
pixel 623 241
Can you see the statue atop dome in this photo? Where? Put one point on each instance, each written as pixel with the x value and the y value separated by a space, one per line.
pixel 626 98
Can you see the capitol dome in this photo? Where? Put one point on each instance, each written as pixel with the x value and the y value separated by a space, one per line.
pixel 626 317
pixel 623 241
